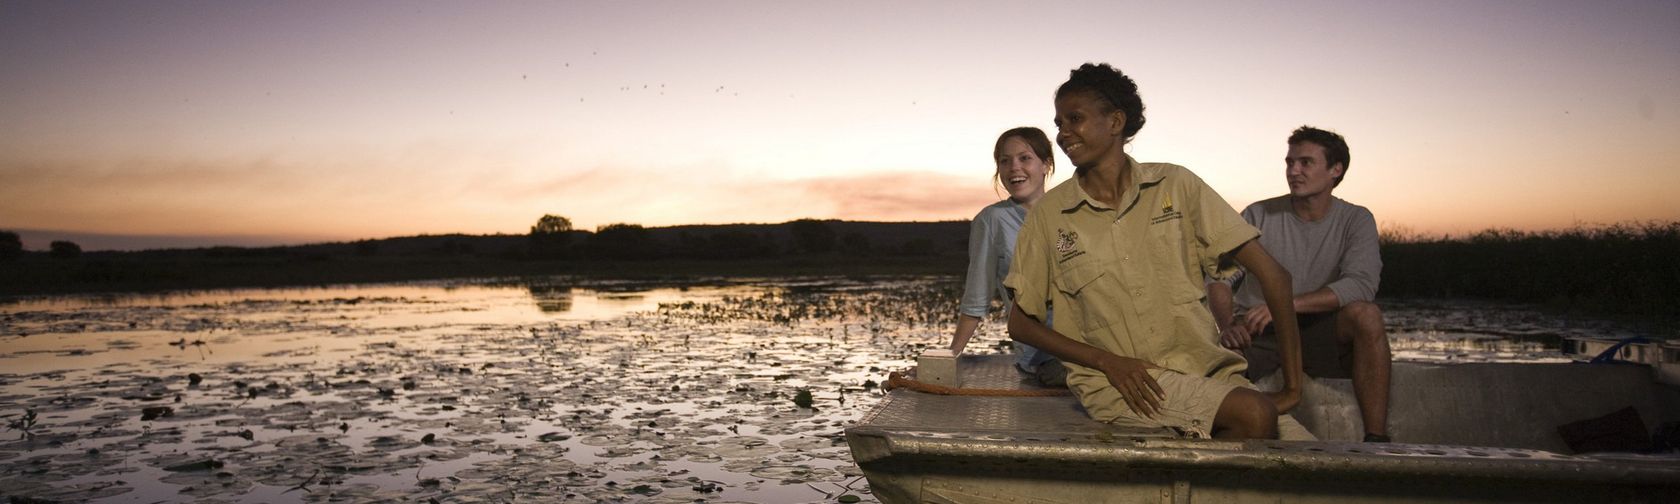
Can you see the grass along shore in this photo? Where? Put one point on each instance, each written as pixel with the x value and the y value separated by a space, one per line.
pixel 1627 271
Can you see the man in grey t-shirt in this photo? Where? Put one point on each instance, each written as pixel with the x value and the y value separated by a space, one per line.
pixel 1329 247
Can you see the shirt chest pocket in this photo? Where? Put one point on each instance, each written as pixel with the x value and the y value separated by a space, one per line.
pixel 1089 285
pixel 1171 254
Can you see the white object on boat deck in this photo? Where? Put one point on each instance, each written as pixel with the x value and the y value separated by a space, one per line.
pixel 938 366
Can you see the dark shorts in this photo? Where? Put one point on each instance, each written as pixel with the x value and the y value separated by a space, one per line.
pixel 1321 355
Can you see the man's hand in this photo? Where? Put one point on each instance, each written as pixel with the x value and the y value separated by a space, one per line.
pixel 1236 337
pixel 1131 377
pixel 1285 399
pixel 1257 318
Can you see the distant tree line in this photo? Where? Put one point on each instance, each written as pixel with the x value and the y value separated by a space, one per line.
pixel 11 248
pixel 1626 269
pixel 553 237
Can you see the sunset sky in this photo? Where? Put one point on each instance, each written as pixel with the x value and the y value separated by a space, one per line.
pixel 198 123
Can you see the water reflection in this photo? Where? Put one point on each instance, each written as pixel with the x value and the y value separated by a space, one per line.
pixel 1453 346
pixel 449 392
pixel 552 298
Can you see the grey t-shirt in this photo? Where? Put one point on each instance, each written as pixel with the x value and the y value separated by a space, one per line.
pixel 1339 251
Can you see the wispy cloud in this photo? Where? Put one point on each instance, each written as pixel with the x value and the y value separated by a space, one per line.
pixel 900 196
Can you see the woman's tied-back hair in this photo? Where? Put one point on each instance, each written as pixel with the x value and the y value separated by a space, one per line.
pixel 1035 139
pixel 1116 88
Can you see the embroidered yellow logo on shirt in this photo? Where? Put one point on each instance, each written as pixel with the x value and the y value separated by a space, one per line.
pixel 1167 212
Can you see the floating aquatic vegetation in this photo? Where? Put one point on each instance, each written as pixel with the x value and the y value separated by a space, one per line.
pixel 721 392
pixel 802 398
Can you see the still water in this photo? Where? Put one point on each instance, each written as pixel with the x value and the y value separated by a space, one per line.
pixel 548 389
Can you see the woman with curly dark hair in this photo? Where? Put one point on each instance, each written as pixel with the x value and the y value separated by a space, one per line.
pixel 1121 251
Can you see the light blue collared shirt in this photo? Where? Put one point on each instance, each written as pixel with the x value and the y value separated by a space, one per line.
pixel 991 247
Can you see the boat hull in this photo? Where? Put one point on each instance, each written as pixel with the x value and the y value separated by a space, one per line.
pixel 919 447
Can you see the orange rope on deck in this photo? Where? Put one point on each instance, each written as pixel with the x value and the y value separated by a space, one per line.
pixel 897 380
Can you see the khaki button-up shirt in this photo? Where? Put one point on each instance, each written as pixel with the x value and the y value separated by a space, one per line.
pixel 1129 280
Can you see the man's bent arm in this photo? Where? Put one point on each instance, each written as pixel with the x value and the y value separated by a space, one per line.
pixel 1361 263
pixel 1233 333
pixel 1318 301
pixel 1219 301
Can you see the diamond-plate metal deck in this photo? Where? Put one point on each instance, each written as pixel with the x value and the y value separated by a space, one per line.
pixel 993 372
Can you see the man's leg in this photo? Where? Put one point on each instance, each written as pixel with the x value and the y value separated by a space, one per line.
pixel 1360 323
pixel 1320 350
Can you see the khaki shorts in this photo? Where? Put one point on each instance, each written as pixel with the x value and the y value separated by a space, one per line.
pixel 1190 405
pixel 1322 356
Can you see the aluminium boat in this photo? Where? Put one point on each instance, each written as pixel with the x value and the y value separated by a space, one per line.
pixel 1465 432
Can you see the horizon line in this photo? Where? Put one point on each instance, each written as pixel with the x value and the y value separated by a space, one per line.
pixel 39 240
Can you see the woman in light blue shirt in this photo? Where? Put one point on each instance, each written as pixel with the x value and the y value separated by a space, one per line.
pixel 1024 161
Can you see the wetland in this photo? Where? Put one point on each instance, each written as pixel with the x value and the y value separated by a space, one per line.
pixel 537 388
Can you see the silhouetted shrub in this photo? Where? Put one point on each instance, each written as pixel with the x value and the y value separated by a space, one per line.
pixel 551 237
pixel 813 236
pixel 623 241
pixel 1626 269
pixel 64 250
pixel 11 246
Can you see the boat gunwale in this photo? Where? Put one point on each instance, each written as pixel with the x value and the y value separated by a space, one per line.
pixel 874 445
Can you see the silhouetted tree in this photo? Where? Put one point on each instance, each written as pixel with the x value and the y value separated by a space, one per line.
pixel 11 246
pixel 551 236
pixel 813 236
pixel 622 241
pixel 65 250
pixel 552 224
